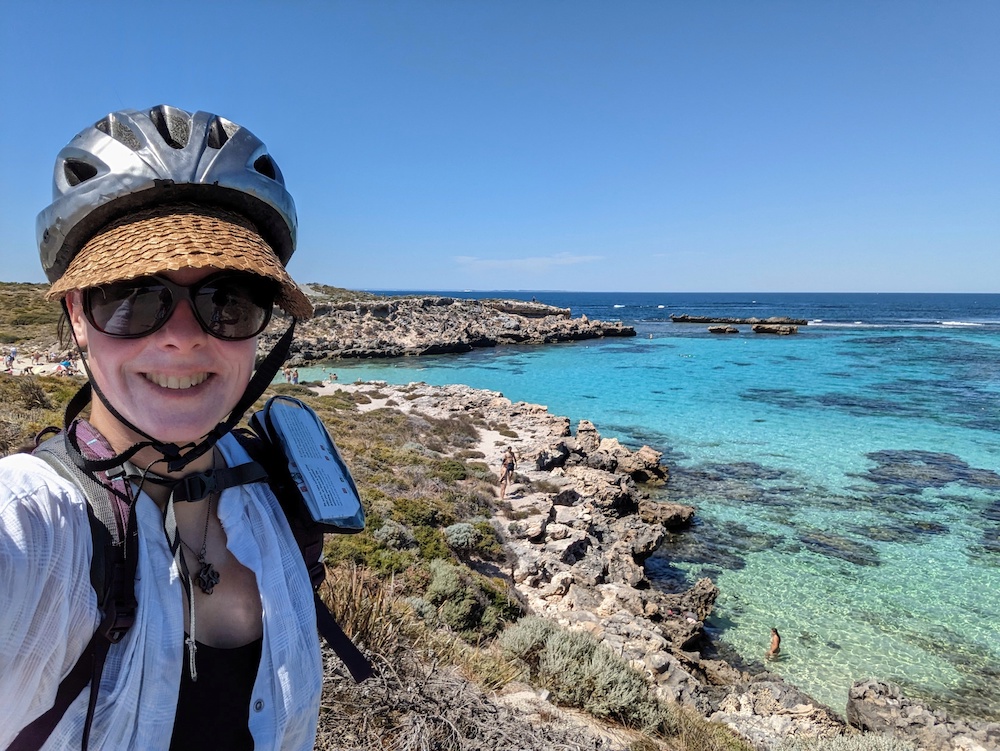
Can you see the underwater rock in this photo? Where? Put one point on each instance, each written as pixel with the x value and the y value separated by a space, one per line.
pixel 927 469
pixel 835 546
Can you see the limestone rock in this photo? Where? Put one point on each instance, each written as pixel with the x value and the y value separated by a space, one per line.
pixel 672 516
pixel 402 326
pixel 879 706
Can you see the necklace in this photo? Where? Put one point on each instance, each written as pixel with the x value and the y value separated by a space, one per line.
pixel 207 577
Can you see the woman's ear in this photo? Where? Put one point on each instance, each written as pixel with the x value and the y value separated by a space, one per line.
pixel 74 311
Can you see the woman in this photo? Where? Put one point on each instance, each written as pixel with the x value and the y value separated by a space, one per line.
pixel 775 649
pixel 166 243
pixel 507 465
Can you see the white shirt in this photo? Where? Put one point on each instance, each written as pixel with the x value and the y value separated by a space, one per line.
pixel 48 612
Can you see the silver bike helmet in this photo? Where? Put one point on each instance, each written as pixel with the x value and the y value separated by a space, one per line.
pixel 135 159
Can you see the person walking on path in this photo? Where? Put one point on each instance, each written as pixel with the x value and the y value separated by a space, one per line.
pixel 166 244
pixel 508 463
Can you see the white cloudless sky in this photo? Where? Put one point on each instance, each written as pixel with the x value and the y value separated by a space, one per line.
pixel 606 146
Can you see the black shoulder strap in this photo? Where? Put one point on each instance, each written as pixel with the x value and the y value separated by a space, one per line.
pixel 112 575
pixel 309 536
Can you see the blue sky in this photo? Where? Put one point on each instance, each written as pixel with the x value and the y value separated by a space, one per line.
pixel 844 145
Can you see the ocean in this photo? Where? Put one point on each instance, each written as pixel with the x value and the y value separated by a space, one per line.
pixel 846 478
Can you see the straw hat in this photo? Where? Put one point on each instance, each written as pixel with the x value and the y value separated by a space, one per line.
pixel 174 237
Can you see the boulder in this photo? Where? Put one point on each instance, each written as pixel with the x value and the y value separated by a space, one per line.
pixel 671 516
pixel 770 328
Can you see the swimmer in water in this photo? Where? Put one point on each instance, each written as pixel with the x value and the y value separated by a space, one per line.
pixel 775 649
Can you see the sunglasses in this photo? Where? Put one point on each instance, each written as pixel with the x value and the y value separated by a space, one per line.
pixel 227 305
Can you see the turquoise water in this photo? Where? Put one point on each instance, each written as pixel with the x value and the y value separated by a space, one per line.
pixel 845 478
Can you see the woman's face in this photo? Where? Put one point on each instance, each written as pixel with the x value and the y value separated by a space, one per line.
pixel 175 384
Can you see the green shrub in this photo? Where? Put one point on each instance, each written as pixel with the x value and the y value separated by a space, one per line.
pixel 546 486
pixel 582 672
pixel 469 603
pixel 292 389
pixel 859 742
pixel 420 512
pixel 431 543
pixel 395 535
pixel 461 536
pixel 364 550
pixel 449 470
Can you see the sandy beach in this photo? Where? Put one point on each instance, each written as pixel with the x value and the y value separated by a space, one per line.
pixel 48 363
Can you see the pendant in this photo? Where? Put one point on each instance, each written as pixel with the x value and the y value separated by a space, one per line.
pixel 208 577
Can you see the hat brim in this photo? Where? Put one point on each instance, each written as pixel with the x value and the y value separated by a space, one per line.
pixel 171 238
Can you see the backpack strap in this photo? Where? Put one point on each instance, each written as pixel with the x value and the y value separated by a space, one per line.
pixel 309 536
pixel 112 575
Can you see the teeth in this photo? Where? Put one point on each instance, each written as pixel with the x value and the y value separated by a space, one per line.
pixel 176 382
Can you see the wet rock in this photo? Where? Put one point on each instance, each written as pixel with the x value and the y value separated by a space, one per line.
pixel 768 328
pixel 672 516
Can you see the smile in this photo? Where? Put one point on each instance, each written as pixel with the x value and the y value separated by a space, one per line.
pixel 176 382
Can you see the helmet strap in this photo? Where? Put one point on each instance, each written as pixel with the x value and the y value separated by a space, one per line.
pixel 172 453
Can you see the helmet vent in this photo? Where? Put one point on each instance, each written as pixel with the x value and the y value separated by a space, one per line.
pixel 118 132
pixel 217 134
pixel 77 172
pixel 174 130
pixel 265 166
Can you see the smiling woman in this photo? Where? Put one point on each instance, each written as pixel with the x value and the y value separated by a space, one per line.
pixel 166 243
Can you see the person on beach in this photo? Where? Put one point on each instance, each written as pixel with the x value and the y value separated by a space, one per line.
pixel 507 465
pixel 166 243
pixel 775 648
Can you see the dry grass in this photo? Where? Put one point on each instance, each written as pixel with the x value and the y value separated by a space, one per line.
pixel 434 691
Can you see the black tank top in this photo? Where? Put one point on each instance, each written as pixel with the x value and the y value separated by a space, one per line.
pixel 213 713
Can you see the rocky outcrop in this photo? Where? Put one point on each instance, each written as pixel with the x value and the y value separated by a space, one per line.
pixel 880 707
pixel 770 328
pixel 776 320
pixel 402 326
pixel 723 330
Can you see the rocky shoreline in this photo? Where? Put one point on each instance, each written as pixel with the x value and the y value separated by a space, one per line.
pixel 411 326
pixel 579 524
pixel 772 321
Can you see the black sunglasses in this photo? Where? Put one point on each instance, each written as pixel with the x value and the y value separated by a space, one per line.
pixel 227 305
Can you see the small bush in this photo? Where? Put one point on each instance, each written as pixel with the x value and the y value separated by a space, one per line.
pixel 546 486
pixel 449 470
pixel 431 543
pixel 504 430
pixel 395 535
pixel 582 672
pixel 489 546
pixel 292 389
pixel 859 742
pixel 33 395
pixel 461 536
pixel 469 603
